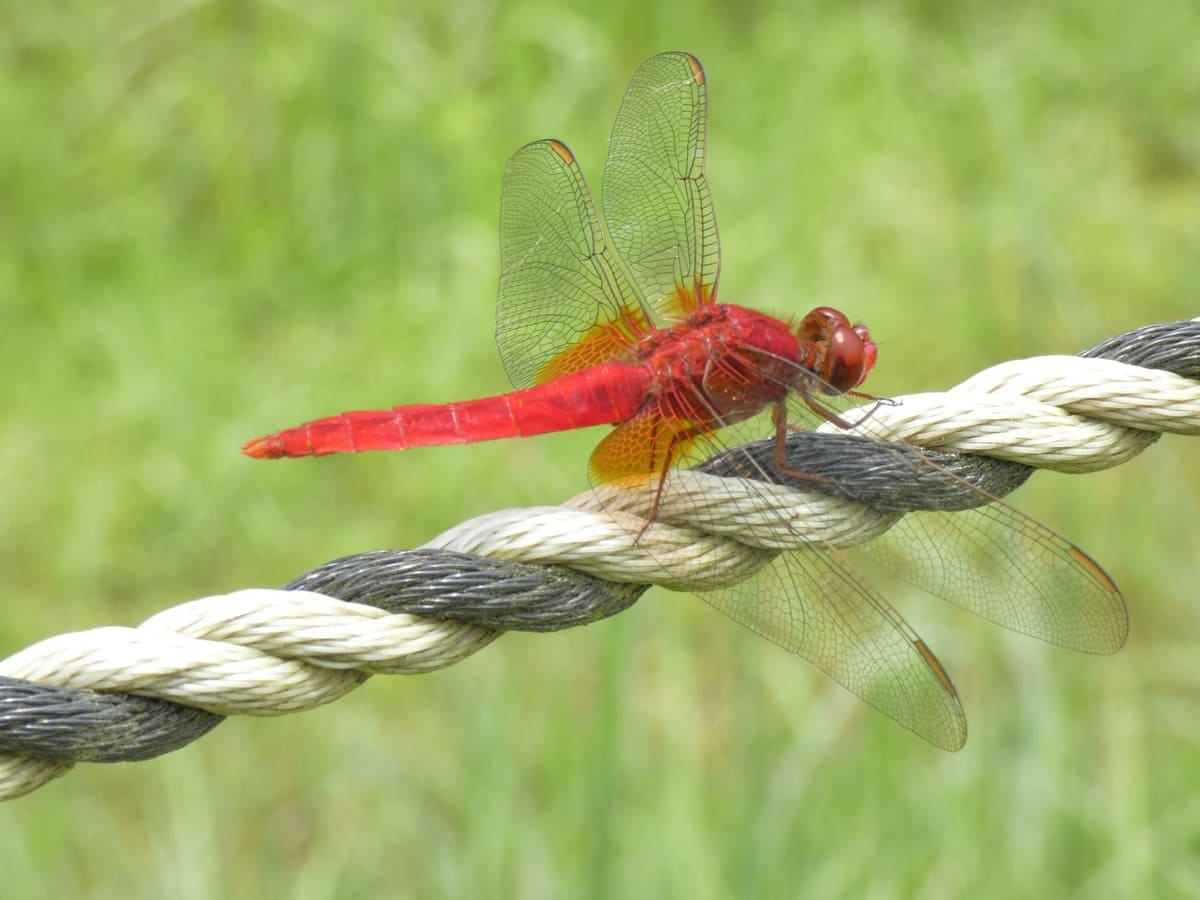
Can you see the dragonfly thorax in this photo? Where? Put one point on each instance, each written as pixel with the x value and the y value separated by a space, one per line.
pixel 738 358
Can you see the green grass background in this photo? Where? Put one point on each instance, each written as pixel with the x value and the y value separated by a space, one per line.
pixel 221 218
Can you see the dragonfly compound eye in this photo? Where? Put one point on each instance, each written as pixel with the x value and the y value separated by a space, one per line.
pixel 870 351
pixel 849 358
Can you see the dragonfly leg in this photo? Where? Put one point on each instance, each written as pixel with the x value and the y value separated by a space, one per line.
pixel 673 446
pixel 823 411
pixel 875 402
pixel 779 420
pixel 830 416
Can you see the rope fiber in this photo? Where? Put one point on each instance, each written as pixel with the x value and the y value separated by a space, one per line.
pixel 124 694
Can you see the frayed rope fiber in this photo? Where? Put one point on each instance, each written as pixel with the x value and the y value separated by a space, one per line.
pixel 121 694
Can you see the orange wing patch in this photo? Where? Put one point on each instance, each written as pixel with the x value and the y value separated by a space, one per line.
pixel 603 342
pixel 651 442
pixel 647 444
pixel 686 300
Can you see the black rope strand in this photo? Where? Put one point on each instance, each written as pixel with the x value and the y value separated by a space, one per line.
pixel 1169 347
pixel 89 726
pixel 462 587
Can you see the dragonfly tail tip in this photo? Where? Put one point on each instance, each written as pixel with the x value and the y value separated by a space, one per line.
pixel 260 448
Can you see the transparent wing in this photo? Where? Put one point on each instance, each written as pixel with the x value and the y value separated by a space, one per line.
pixel 656 200
pixel 992 560
pixel 986 556
pixel 1010 569
pixel 564 302
pixel 811 603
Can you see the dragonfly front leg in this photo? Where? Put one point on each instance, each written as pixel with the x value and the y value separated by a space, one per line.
pixel 824 412
pixel 830 416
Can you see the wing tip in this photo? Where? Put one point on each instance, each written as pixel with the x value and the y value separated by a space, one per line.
pixel 541 145
pixel 563 151
pixel 936 667
pixel 1094 569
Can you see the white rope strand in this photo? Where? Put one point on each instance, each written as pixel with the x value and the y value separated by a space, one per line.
pixel 1064 413
pixel 269 652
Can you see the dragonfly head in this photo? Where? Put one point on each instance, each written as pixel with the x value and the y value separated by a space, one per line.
pixel 849 351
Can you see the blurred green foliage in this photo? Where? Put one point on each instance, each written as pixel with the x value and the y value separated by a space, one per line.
pixel 221 218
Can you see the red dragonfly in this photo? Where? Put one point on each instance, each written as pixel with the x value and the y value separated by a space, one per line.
pixel 617 323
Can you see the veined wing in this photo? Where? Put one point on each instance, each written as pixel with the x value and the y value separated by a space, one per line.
pixel 564 303
pixel 810 603
pixel 1010 569
pixel 656 201
pixel 992 560
pixel 966 546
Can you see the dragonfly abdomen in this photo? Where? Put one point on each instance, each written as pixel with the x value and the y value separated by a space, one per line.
pixel 602 395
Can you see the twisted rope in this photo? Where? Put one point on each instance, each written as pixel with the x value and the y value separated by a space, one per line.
pixel 120 694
